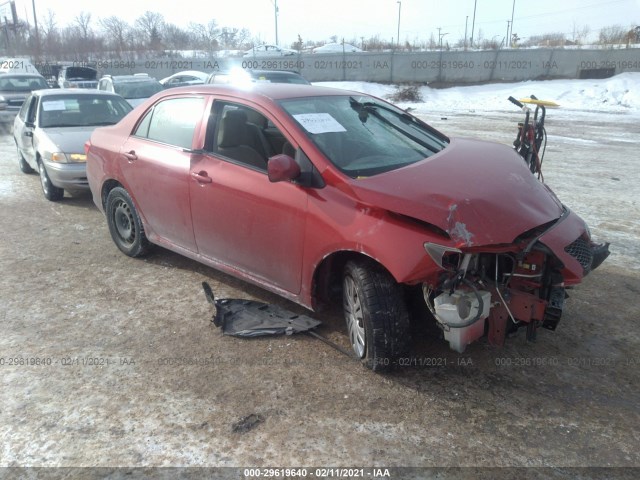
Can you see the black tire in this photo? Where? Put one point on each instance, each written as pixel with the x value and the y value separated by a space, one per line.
pixel 24 166
pixel 51 192
pixel 376 314
pixel 125 225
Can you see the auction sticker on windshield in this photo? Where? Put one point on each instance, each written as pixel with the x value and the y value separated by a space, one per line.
pixel 319 123
pixel 55 105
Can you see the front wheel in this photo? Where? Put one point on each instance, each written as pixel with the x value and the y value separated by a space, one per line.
pixel 376 314
pixel 51 192
pixel 125 225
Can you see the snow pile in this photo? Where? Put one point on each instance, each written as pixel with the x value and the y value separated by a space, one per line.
pixel 611 95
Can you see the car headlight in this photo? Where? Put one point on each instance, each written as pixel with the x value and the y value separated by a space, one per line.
pixel 77 157
pixel 3 103
pixel 60 157
pixel 447 258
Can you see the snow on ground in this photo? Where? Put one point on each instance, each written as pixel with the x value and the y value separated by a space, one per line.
pixel 591 160
pixel 611 95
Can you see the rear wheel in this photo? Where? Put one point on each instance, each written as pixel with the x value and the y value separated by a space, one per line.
pixel 125 225
pixel 51 192
pixel 376 314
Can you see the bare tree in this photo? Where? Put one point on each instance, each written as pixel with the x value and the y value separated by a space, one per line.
pixel 613 35
pixel 50 34
pixel 117 31
pixel 580 34
pixel 150 24
pixel 206 36
pixel 83 22
pixel 175 38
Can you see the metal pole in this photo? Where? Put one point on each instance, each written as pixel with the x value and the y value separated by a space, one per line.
pixel 507 43
pixel 473 22
pixel 512 11
pixel 465 32
pixel 399 9
pixel 35 22
pixel 275 8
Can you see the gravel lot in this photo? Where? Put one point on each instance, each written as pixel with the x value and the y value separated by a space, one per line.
pixel 113 362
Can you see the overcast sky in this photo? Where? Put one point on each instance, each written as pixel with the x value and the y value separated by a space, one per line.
pixel 319 20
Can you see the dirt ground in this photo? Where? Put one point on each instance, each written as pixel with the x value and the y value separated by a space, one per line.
pixel 110 361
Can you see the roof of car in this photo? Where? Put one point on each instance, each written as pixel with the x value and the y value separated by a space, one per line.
pixel 21 75
pixel 53 92
pixel 275 91
pixel 130 78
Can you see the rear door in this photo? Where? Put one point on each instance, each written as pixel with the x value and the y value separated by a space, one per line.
pixel 155 163
pixel 240 219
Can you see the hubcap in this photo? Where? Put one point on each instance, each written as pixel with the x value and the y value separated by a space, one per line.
pixel 354 316
pixel 123 220
pixel 44 180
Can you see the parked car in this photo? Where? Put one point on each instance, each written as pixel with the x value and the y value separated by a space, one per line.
pixel 135 89
pixel 51 129
pixel 267 50
pixel 336 48
pixel 14 88
pixel 77 77
pixel 181 79
pixel 317 193
pixel 239 76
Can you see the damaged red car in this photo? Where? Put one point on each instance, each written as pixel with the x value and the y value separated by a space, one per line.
pixel 327 195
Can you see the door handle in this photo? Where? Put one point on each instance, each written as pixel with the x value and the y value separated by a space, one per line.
pixel 202 177
pixel 28 133
pixel 131 156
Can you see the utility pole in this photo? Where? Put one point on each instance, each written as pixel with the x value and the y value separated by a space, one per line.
pixel 35 21
pixel 512 12
pixel 465 32
pixel 473 22
pixel 399 8
pixel 275 11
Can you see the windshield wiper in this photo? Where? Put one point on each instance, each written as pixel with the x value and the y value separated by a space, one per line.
pixel 366 108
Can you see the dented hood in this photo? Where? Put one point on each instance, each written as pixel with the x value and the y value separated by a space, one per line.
pixel 480 193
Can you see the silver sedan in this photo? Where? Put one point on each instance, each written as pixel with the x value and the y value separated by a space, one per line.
pixel 51 129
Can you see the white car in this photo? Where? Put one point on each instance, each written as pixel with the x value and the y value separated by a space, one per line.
pixel 180 79
pixel 337 48
pixel 269 51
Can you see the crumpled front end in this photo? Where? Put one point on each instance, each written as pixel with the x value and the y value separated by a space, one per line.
pixel 500 288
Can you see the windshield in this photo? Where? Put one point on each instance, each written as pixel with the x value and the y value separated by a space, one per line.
pixel 364 136
pixel 137 89
pixel 21 84
pixel 82 110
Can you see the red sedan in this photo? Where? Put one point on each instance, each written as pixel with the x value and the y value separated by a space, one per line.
pixel 320 194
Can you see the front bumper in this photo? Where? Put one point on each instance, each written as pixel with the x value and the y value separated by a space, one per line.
pixel 69 176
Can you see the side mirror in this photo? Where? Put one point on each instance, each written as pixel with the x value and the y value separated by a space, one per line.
pixel 282 168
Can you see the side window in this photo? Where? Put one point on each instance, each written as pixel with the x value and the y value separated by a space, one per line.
pixel 33 108
pixel 25 107
pixel 172 121
pixel 243 134
pixel 143 126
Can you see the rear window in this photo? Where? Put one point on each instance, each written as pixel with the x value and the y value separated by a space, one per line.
pixel 21 84
pixel 137 89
